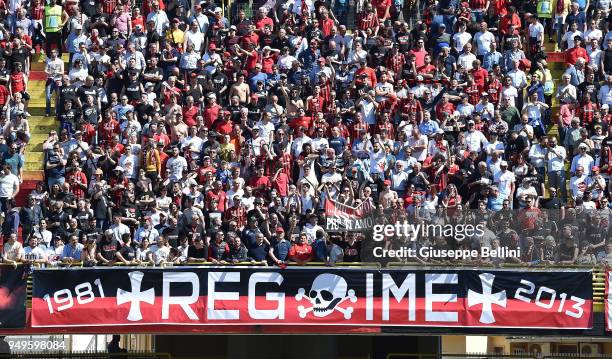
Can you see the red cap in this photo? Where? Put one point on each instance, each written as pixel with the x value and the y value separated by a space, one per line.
pixel 387 183
pixel 176 20
pixel 594 168
pixel 280 230
pixel 227 113
pixel 194 75
pixel 227 54
pixel 465 4
pixel 212 46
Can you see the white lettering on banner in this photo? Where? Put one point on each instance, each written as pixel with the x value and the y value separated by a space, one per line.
pixel 430 297
pixel 389 285
pixel 369 296
pixel 182 301
pixel 577 306
pixel 263 277
pixel 135 296
pixel 487 298
pixel 213 295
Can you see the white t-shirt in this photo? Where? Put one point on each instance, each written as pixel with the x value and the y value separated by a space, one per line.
pixel 484 40
pixel 175 167
pixel 7 185
pixel 194 38
pixel 467 60
pixel 421 141
pixel 460 39
pixel 536 30
pixel 505 181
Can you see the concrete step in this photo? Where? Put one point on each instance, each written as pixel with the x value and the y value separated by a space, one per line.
pixel 36 175
pixel 38 147
pixel 34 156
pixel 36 110
pixel 44 129
pixel 33 166
pixel 41 120
pixel 38 138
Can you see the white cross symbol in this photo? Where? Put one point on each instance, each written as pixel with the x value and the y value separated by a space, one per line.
pixel 487 298
pixel 135 296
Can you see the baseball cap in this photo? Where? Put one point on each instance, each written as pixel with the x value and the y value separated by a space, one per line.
pixel 595 168
pixel 212 46
pixel 280 230
pixel 504 163
pixel 387 182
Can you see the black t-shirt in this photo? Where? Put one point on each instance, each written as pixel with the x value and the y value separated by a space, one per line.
pixel 89 8
pixel 352 252
pixel 132 90
pixel 129 210
pixel 18 55
pixel 82 218
pixel 90 114
pixel 607 60
pixel 266 40
pixel 69 116
pixel 172 235
pixel 193 252
pixel 92 233
pixel 84 91
pixel 100 207
pixel 66 93
pixel 107 248
pixel 219 80
pixel 590 88
pixel 259 252
pixel 279 43
pixel 143 109
pixel 128 253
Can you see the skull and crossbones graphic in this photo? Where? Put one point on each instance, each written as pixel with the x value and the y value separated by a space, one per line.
pixel 327 292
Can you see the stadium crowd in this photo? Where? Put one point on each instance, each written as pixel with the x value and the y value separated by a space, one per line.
pixel 192 133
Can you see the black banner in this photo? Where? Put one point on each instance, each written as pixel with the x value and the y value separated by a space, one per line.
pixel 12 297
pixel 312 296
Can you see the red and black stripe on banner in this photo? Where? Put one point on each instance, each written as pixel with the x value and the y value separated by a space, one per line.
pixel 312 296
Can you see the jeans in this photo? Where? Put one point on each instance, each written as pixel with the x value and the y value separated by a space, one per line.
pixel 556 179
pixel 559 28
pixel 50 87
